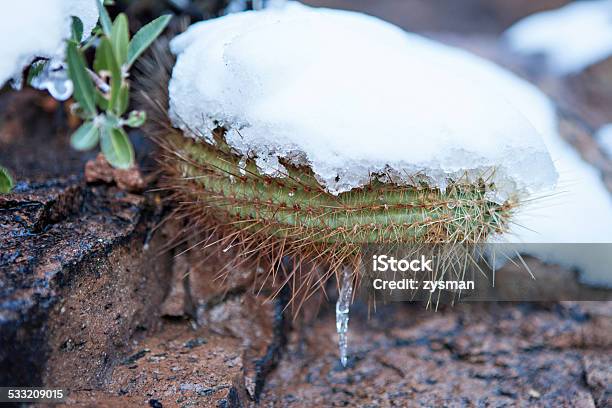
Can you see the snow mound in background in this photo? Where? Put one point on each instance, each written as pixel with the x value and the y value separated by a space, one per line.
pixel 604 138
pixel 578 210
pixel 35 28
pixel 572 37
pixel 351 95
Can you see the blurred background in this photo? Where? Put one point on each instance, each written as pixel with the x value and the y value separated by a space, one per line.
pixel 463 16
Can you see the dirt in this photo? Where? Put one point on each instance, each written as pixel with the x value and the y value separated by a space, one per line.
pixel 220 364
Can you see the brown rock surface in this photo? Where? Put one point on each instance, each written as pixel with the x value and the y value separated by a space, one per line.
pixel 100 170
pixel 79 272
pixel 179 367
pixel 471 355
pixel 224 363
pixel 76 283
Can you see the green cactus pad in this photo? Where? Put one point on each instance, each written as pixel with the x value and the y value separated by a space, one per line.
pixel 294 206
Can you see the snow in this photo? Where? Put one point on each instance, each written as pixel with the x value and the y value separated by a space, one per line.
pixel 36 28
pixel 86 10
pixel 604 138
pixel 236 6
pixel 577 210
pixel 572 37
pixel 351 95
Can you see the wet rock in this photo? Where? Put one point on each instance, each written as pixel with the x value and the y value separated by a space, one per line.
pixel 468 355
pixel 198 341
pixel 75 281
pixel 261 326
pixel 178 300
pixel 598 370
pixel 214 273
pixel 80 273
pixel 33 207
pixel 135 357
pixel 153 403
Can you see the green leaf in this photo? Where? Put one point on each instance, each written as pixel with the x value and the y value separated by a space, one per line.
pixel 136 119
pixel 6 181
pixel 90 41
pixel 35 69
pixel 123 99
pixel 100 63
pixel 120 38
pixel 86 136
pixel 105 20
pixel 77 29
pixel 145 36
pixel 105 61
pixel 111 121
pixel 117 148
pixel 101 101
pixel 84 91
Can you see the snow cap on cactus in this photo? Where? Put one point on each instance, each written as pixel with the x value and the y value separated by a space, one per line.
pixel 351 96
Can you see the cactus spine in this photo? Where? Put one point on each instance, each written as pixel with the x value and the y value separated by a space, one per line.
pixel 296 207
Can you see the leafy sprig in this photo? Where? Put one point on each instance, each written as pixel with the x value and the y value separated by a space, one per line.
pixel 102 93
pixel 6 181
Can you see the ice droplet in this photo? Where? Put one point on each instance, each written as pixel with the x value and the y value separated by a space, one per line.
pixel 54 78
pixel 242 165
pixel 342 314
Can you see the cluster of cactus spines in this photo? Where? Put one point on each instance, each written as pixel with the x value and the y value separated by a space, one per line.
pixel 267 218
pixel 225 200
pixel 294 206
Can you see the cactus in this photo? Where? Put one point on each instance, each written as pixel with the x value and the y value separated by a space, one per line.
pixel 296 207
pixel 228 203
pixel 268 218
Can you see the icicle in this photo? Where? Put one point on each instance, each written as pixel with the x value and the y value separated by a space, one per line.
pixel 342 314
pixel 54 78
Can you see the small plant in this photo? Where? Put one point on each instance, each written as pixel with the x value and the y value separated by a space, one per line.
pixel 6 181
pixel 102 93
